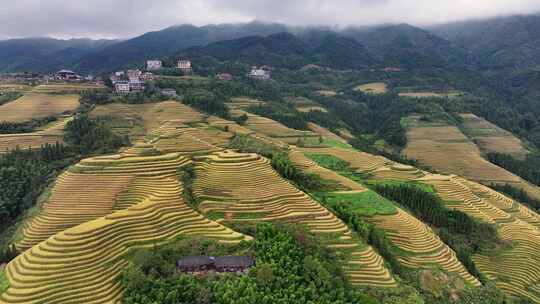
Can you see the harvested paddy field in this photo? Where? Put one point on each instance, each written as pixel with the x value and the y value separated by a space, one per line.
pixel 67 88
pixel 274 129
pixel 419 246
pixel 243 103
pixel 235 187
pixel 516 269
pixel 137 121
pixel 83 264
pixel 33 105
pixel 372 88
pixel 325 133
pixel 446 149
pixel 429 94
pixel 14 87
pixel 491 138
pixel 50 134
pixel 90 190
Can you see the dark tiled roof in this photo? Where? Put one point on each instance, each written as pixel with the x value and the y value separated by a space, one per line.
pixel 195 261
pixel 234 261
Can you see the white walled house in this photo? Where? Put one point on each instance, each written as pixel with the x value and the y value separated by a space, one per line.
pixel 262 73
pixel 122 87
pixel 184 66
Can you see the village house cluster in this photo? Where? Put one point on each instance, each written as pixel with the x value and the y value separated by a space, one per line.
pixel 130 80
pixel 261 73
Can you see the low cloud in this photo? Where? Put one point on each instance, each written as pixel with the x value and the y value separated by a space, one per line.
pixel 127 18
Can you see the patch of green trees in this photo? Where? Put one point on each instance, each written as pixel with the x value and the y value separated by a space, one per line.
pixel 528 168
pixel 291 267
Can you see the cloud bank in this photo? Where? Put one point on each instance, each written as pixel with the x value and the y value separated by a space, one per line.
pixel 128 18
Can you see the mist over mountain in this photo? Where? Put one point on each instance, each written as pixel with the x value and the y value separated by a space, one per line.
pixel 498 43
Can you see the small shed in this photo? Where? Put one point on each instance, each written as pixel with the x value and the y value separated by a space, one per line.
pixel 233 263
pixel 195 263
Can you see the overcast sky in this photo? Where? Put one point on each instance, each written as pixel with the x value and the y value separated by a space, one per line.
pixel 128 18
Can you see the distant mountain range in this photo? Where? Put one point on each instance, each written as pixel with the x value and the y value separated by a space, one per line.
pixel 46 54
pixel 506 43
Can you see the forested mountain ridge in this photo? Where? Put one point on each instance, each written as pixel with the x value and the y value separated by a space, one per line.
pixel 408 46
pixel 285 50
pixel 169 41
pixel 45 54
pixel 498 43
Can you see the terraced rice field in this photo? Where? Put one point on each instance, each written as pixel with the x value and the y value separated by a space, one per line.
pixel 245 188
pixel 273 129
pixel 429 94
pixel 239 103
pixel 14 87
pixel 50 134
pixel 420 247
pixel 325 133
pixel 149 117
pixel 67 88
pixel 491 138
pixel 33 105
pixel 397 172
pixel 309 166
pixel 447 149
pixel 359 161
pixel 89 190
pixel 192 141
pixel 515 270
pixel 423 248
pixel 373 88
pixel 227 125
pixel 83 264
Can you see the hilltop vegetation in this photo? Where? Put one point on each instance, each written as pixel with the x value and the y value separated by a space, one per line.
pixel 291 266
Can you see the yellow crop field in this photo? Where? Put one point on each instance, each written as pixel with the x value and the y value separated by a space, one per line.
pixel 359 161
pixel 246 188
pixel 429 94
pixel 373 88
pixel 423 248
pixel 33 105
pixel 50 134
pixel 243 102
pixel 274 129
pixel 325 133
pixel 491 138
pixel 446 149
pixel 67 88
pixel 307 165
pixel 14 87
pixel 88 190
pixel 516 270
pixel 192 141
pixel 148 118
pixel 83 264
